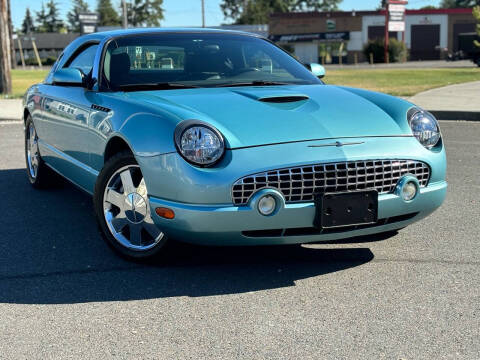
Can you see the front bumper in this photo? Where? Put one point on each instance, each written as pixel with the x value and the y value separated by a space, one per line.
pixel 292 223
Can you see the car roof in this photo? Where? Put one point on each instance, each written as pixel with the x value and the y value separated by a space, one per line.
pixel 124 32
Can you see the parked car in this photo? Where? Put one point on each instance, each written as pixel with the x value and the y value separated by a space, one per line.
pixel 233 143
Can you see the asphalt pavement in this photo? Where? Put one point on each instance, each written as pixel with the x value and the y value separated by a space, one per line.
pixel 63 294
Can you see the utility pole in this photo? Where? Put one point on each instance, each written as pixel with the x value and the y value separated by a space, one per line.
pixel 203 13
pixel 386 32
pixel 5 54
pixel 124 10
pixel 12 44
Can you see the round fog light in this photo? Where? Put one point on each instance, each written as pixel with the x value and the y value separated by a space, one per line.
pixel 409 191
pixel 267 205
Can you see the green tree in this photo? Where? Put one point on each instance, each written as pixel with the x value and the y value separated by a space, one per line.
pixel 41 19
pixel 144 12
pixel 108 15
pixel 259 11
pixel 27 25
pixel 53 21
pixel 476 14
pixel 459 3
pixel 79 6
pixel 315 5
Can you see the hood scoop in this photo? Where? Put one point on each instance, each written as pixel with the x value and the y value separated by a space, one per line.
pixel 283 99
pixel 272 96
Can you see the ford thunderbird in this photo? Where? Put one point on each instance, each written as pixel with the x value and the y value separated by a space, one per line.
pixel 221 137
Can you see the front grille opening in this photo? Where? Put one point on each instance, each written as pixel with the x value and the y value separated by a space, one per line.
pixel 299 184
pixel 315 231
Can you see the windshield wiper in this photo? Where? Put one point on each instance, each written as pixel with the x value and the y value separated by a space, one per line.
pixel 156 86
pixel 253 83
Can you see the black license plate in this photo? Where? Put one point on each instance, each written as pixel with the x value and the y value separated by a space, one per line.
pixel 346 209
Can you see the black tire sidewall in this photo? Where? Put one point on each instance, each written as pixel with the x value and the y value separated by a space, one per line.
pixel 118 161
pixel 43 172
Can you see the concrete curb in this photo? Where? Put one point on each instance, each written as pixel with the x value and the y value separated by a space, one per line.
pixel 456 115
pixel 4 120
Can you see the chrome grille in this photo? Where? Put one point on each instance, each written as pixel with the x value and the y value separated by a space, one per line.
pixel 299 184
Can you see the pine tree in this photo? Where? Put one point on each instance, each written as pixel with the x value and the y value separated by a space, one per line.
pixel 144 12
pixel 27 24
pixel 108 16
pixel 79 6
pixel 41 19
pixel 53 22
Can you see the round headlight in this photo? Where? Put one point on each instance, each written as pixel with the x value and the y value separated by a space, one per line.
pixel 199 143
pixel 425 128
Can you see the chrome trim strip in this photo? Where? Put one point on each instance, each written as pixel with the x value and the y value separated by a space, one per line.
pixel 338 144
pixel 321 139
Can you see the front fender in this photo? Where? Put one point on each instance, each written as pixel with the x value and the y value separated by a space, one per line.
pixel 148 134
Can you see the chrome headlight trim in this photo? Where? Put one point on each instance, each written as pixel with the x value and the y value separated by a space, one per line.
pixel 425 137
pixel 186 125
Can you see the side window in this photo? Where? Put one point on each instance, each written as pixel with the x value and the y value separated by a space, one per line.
pixel 84 60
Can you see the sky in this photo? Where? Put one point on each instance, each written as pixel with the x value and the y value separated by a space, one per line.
pixel 188 12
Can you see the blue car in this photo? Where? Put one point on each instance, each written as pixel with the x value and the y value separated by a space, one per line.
pixel 221 137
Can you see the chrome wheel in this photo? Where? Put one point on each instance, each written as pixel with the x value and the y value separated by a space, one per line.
pixel 127 212
pixel 33 155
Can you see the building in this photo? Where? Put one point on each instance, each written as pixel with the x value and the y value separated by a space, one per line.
pixel 49 45
pixel 331 37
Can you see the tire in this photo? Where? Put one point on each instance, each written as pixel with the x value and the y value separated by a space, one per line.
pixel 39 174
pixel 123 211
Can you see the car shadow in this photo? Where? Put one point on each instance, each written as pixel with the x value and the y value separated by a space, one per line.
pixel 52 253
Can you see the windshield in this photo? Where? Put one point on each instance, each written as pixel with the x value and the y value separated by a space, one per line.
pixel 198 60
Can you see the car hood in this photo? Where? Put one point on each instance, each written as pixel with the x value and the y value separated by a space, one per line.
pixel 256 115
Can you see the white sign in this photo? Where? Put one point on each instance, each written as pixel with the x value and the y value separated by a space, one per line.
pixel 91 18
pixel 396 26
pixel 396 17
pixel 88 29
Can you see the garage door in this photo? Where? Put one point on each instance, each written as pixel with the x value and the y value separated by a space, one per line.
pixel 425 39
pixel 461 28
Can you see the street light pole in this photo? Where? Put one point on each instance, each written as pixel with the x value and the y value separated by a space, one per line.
pixel 203 13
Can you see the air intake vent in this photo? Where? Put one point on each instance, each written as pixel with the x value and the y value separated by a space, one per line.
pixel 284 99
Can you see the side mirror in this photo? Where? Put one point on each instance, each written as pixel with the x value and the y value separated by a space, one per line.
pixel 68 77
pixel 316 69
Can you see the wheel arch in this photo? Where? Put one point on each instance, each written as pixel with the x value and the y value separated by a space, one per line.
pixel 115 145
